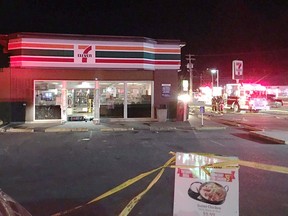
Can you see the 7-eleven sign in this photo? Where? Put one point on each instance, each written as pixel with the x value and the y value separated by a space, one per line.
pixel 237 70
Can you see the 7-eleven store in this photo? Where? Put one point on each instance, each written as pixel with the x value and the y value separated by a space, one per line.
pixel 69 77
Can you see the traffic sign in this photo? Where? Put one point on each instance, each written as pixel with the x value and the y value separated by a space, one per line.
pixel 202 109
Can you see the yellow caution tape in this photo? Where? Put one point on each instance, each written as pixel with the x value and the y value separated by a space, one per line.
pixel 230 161
pixel 267 167
pixel 227 163
pixel 137 198
pixel 117 188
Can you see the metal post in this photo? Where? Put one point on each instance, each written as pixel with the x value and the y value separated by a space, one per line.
pixel 190 66
pixel 212 83
pixel 96 119
pixel 202 123
pixel 191 82
pixel 64 103
pixel 217 80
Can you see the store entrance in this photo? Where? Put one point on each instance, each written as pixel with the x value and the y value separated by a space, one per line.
pixel 112 99
pixel 126 99
pixel 76 100
pixel 80 104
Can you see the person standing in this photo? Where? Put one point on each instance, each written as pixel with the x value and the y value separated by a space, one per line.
pixel 220 103
pixel 214 104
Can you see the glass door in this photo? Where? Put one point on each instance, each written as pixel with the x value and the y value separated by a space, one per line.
pixel 139 99
pixel 112 99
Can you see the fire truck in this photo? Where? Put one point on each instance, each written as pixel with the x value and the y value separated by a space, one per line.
pixel 240 96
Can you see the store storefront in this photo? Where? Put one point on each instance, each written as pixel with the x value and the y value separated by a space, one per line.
pixel 77 77
pixel 117 99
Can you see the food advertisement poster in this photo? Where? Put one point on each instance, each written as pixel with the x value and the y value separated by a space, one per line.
pixel 206 185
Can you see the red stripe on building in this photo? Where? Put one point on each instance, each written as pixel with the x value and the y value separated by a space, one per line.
pixel 167 62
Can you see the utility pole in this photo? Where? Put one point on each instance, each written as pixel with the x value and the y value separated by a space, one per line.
pixel 190 58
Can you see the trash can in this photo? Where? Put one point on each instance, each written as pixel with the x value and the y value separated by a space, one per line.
pixel 162 113
pixel 18 111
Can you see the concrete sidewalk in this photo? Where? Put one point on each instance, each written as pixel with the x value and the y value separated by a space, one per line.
pixel 194 123
pixel 279 136
pixel 274 136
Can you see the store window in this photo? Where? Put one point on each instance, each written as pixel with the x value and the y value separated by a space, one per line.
pixel 139 99
pixel 112 99
pixel 74 100
pixel 47 100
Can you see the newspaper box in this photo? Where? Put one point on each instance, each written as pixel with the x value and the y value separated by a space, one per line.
pixel 206 185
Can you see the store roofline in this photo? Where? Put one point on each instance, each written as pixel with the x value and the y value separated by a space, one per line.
pixel 93 37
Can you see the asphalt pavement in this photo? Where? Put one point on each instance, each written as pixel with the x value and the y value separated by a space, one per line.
pixel 196 121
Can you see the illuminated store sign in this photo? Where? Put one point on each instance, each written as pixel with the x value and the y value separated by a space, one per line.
pixel 37 52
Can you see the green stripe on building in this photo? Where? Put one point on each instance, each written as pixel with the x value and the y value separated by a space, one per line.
pixel 109 54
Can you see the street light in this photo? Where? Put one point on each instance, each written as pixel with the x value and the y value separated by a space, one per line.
pixel 213 71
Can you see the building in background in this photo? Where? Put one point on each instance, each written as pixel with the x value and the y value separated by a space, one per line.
pixel 60 77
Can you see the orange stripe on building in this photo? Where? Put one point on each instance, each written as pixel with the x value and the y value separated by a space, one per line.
pixel 176 51
pixel 83 46
pixel 148 49
pixel 119 48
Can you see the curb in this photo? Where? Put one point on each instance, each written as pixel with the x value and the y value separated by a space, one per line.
pixel 185 128
pixel 204 128
pixel 116 129
pixel 18 130
pixel 251 128
pixel 266 137
pixel 162 128
pixel 239 124
pixel 66 130
pixel 230 123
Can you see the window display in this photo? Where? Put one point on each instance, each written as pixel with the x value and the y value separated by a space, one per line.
pixel 47 100
pixel 77 99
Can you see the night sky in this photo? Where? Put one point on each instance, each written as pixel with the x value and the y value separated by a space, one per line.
pixel 215 31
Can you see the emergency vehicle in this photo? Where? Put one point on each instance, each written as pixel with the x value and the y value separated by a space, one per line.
pixel 240 96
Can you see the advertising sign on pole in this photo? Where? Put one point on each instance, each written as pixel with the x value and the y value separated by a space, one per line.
pixel 206 185
pixel 237 70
